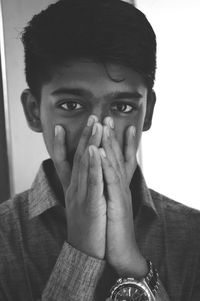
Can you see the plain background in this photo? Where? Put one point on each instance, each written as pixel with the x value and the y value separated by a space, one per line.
pixel 171 149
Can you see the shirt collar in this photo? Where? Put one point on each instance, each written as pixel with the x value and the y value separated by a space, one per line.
pixel 141 192
pixel 42 196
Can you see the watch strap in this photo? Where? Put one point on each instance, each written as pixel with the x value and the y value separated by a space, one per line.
pixel 152 278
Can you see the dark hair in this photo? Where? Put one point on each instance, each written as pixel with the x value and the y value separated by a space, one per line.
pixel 107 31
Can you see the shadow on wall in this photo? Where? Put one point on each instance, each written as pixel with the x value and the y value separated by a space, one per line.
pixel 4 174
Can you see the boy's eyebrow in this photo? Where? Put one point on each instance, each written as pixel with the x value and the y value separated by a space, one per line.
pixel 119 95
pixel 74 91
pixel 87 93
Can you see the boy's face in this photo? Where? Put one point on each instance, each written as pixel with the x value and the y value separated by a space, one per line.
pixel 83 88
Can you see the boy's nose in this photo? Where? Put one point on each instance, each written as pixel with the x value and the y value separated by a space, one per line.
pixel 100 113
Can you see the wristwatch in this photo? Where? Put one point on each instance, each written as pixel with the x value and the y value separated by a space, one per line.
pixel 130 289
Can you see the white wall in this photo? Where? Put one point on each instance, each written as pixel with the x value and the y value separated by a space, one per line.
pixel 27 147
pixel 171 149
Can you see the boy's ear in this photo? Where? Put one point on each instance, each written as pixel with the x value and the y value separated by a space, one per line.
pixel 151 100
pixel 31 108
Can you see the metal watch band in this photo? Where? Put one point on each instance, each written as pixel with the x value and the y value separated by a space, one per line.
pixel 152 278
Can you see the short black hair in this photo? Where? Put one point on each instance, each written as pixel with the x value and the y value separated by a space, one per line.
pixel 106 31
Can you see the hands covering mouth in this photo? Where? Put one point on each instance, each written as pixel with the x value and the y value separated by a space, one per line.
pixel 101 225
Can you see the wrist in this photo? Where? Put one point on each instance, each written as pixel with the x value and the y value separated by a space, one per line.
pixel 135 266
pixel 89 248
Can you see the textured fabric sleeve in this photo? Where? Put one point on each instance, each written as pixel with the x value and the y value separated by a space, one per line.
pixel 74 277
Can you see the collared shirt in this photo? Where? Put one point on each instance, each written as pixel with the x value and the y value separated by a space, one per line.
pixel 37 263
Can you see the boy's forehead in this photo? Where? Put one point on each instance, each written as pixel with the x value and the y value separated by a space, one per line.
pixel 94 76
pixel 87 67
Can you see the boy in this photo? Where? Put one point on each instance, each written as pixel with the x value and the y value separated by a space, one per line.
pixel 89 218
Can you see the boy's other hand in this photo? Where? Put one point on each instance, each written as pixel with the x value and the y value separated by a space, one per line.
pixel 122 251
pixel 84 199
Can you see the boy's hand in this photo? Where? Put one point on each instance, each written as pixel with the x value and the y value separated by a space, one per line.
pixel 84 199
pixel 121 247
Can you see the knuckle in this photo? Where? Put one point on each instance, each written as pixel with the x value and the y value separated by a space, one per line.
pixel 92 166
pixel 118 165
pixel 93 180
pixel 83 163
pixel 59 156
pixel 121 159
pixel 115 179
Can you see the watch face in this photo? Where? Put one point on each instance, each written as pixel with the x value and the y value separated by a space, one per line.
pixel 131 293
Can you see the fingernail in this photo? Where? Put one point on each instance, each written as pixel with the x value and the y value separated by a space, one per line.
pixel 94 129
pixel 102 152
pixel 107 131
pixel 110 122
pixel 58 130
pixel 91 151
pixel 133 130
pixel 91 120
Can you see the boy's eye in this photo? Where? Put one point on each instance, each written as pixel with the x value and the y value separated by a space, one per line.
pixel 71 105
pixel 123 108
